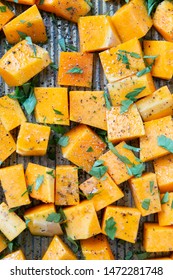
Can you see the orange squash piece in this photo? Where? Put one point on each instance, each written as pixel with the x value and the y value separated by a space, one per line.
pixel 3 242
pixel 165 216
pixel 7 144
pixel 24 2
pixel 5 15
pixel 17 256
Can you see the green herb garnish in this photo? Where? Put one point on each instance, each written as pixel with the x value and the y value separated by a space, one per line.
pixel 98 169
pixel 107 101
pixel 89 150
pixel 131 148
pixel 54 217
pixel 146 203
pixel 58 112
pixel 63 141
pixel 165 198
pixel 51 173
pixel 110 228
pixel 75 70
pixel 39 182
pixel 165 142
pixel 3 9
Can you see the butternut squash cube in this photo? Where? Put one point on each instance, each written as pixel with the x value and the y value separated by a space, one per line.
pixel 148 143
pixel 24 2
pixel 7 144
pixel 117 68
pixel 22 62
pixel 42 181
pixel 126 126
pixel 165 216
pixel 11 225
pixel 82 221
pixel 52 105
pixel 145 194
pixel 5 15
pixel 58 250
pixel 157 238
pixel 97 33
pixel 17 256
pixel 157 105
pixel 39 221
pixel 3 242
pixel 67 191
pixel 88 107
pixel 30 23
pixel 102 192
pixel 33 139
pixel 132 20
pixel 126 218
pixel 11 113
pixel 14 186
pixel 96 248
pixel 84 147
pixel 75 69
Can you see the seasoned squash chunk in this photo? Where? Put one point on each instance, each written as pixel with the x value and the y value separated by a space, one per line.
pixel 157 238
pixel 7 144
pixel 22 62
pixel 24 2
pixel 33 139
pixel 84 147
pixel 30 23
pixel 11 225
pixel 58 250
pixel 96 248
pixel 82 221
pixel 125 218
pixel 17 256
pixel 5 15
pixel 145 194
pixel 3 242
pixel 88 107
pixel 75 69
pixel 52 105
pixel 165 216
pixel 14 186
pixel 42 180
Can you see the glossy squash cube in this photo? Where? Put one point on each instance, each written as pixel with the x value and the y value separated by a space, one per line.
pixel 24 2
pixel 165 216
pixel 7 144
pixel 5 15
pixel 3 242
pixel 16 256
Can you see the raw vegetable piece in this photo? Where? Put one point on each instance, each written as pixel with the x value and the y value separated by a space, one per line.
pixel 42 181
pixel 118 90
pixel 132 20
pixel 126 126
pixel 17 256
pixel 149 142
pixel 22 62
pixel 122 61
pixel 97 33
pixel 36 219
pixel 81 138
pixel 157 238
pixel 162 67
pixel 24 2
pixel 75 69
pixel 70 10
pixel 29 23
pixel 101 192
pixel 156 105
pixel 82 221
pixel 125 217
pixel 5 15
pixel 163 20
pixel 12 180
pixel 145 194
pixel 52 105
pixel 90 110
pixel 33 139
pixel 7 144
pixel 165 216
pixel 96 248
pixel 58 250
pixel 3 243
pixel 11 225
pixel 67 191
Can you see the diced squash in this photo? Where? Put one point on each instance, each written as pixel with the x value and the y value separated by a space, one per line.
pixel 90 110
pixel 52 105
pixel 30 23
pixel 82 221
pixel 163 20
pixel 5 15
pixel 126 219
pixel 22 62
pixel 132 20
pixel 33 139
pixel 36 219
pixel 157 238
pixel 7 144
pixel 145 194
pixel 11 225
pixel 97 33
pixel 3 242
pixel 84 147
pixel 118 90
pixel 24 2
pixel 148 143
pixel 126 126
pixel 165 216
pixel 58 250
pixel 75 69
pixel 42 181
pixel 102 192
pixel 116 68
pixel 96 248
pixel 17 256
pixel 67 191
pixel 11 113
pixel 14 186
pixel 157 105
